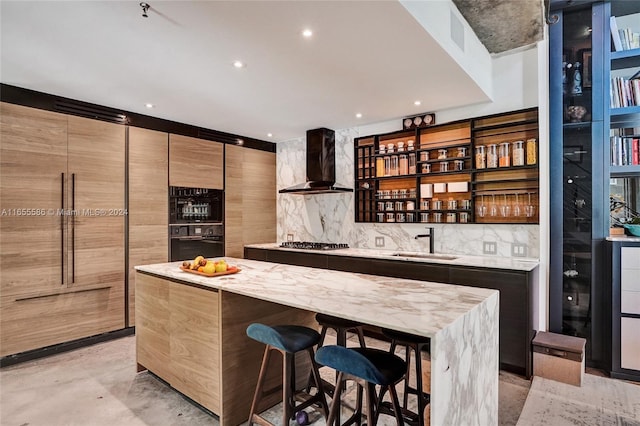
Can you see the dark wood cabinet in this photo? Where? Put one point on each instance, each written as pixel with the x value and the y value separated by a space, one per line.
pixel 516 291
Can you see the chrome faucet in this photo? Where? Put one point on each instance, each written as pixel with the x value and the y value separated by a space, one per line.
pixel 430 235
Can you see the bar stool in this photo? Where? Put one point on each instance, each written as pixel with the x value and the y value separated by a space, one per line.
pixel 288 340
pixel 368 368
pixel 417 344
pixel 341 326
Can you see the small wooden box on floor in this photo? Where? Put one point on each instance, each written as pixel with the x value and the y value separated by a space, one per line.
pixel 559 357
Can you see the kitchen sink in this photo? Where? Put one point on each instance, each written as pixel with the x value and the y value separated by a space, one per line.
pixel 425 256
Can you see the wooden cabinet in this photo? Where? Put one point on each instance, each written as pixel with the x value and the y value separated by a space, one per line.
pixel 195 368
pixel 195 163
pixel 148 203
pixel 444 179
pixel 152 314
pixel 34 163
pixel 177 337
pixel 195 339
pixel 62 228
pixel 624 306
pixel 250 198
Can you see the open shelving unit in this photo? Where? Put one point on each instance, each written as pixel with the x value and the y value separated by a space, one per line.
pixel 448 186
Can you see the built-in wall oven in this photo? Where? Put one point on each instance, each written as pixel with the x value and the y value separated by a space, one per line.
pixel 195 223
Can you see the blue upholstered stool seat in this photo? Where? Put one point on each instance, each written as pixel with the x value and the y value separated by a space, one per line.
pixel 289 338
pixel 368 368
pixel 373 365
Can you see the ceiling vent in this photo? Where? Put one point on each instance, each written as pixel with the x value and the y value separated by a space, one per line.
pixel 91 111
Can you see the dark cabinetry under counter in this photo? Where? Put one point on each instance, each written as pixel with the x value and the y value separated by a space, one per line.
pixel 516 290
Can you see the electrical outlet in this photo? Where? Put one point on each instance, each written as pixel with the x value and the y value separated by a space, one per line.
pixel 289 237
pixel 379 241
pixel 489 247
pixel 518 250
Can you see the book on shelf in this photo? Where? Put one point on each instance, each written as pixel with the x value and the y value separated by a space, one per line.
pixel 625 147
pixel 625 92
pixel 623 38
pixel 615 34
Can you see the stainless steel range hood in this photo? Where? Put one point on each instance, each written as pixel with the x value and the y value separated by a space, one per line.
pixel 321 165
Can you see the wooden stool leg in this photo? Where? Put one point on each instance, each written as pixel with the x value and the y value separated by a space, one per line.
pixel 421 399
pixel 361 337
pixel 371 404
pixel 320 389
pixel 323 334
pixel 396 405
pixel 259 385
pixel 286 387
pixel 335 403
pixel 407 357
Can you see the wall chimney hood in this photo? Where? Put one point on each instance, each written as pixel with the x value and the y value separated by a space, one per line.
pixel 321 165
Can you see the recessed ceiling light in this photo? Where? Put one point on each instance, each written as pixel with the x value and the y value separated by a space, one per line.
pixel 307 33
pixel 238 64
pixel 149 105
pixel 358 115
pixel 269 135
pixel 417 103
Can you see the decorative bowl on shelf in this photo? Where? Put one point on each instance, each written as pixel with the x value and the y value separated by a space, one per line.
pixel 633 229
pixel 576 113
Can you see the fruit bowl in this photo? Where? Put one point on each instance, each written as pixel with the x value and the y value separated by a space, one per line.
pixel 215 274
pixel 208 267
pixel 633 229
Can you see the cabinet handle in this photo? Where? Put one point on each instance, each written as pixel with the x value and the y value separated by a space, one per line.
pixel 73 228
pixel 62 215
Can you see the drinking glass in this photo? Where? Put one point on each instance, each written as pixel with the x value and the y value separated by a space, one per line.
pixel 493 209
pixel 517 211
pixel 505 208
pixel 481 209
pixel 529 209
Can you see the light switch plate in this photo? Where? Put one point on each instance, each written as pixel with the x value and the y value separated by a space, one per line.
pixel 379 241
pixel 489 247
pixel 289 237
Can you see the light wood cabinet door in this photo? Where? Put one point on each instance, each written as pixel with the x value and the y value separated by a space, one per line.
pixel 62 274
pixel 195 163
pixel 250 198
pixel 233 207
pixel 259 197
pixel 195 343
pixel 33 157
pixel 96 232
pixel 153 350
pixel 148 203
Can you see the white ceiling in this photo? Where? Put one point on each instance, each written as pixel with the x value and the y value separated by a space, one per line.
pixel 370 57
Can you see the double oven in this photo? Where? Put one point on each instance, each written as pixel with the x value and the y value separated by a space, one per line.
pixel 195 223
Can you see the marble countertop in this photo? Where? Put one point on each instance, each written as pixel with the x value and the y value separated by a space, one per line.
pixel 508 263
pixel 417 307
pixel 624 239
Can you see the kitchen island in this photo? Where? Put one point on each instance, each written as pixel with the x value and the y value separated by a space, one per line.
pixel 202 320
pixel 516 279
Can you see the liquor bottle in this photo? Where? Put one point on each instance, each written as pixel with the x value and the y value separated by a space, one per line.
pixel 576 86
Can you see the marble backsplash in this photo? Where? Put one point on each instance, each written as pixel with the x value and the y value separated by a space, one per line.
pixel 331 217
